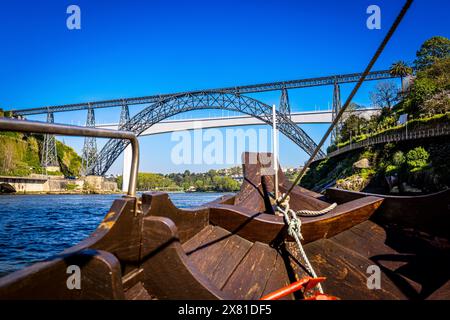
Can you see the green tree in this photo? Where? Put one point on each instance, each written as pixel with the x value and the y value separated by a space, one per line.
pixel 422 90
pixel 432 50
pixel 352 126
pixel 400 69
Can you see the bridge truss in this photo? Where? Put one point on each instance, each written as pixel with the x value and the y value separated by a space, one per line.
pixel 263 87
pixel 175 103
pixel 198 101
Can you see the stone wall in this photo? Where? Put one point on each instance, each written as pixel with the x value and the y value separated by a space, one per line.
pixel 41 183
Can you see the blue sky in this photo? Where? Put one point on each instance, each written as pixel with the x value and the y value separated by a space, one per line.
pixel 135 48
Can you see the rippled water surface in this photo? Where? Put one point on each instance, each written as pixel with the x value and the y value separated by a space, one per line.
pixel 35 227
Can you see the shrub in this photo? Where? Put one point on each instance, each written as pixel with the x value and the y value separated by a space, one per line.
pixel 398 159
pixel 71 186
pixel 417 158
pixel 390 169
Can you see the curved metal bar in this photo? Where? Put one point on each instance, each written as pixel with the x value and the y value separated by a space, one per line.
pixel 51 128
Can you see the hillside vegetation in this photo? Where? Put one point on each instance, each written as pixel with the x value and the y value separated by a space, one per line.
pixel 20 155
pixel 402 167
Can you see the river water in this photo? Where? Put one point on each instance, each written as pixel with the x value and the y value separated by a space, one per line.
pixel 35 227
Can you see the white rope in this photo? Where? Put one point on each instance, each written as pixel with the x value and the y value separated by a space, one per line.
pixel 294 230
pixel 311 213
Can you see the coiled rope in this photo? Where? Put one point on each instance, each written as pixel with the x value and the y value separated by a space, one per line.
pixel 304 213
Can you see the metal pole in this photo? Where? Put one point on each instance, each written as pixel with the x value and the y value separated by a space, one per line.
pixel 66 130
pixel 275 149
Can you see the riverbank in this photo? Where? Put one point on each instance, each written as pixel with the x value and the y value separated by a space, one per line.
pixel 37 183
pixel 63 193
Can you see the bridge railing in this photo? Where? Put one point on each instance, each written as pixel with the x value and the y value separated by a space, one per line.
pixel 418 133
pixel 59 129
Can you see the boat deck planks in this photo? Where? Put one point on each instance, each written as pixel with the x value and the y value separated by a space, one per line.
pixel 138 292
pixel 249 279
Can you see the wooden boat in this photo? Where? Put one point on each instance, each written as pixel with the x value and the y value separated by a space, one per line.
pixel 237 248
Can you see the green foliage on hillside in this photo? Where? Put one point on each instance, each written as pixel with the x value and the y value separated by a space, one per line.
pixel 420 164
pixel 20 155
pixel 69 160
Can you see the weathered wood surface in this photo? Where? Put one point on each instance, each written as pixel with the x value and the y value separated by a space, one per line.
pixel 428 213
pixel 188 222
pixel 411 267
pixel 138 292
pixel 216 253
pixel 249 279
pixel 251 225
pixel 100 278
pixel 267 228
pixel 339 219
pixel 168 272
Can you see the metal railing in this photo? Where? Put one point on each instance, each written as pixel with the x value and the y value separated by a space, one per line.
pixel 59 129
pixel 420 133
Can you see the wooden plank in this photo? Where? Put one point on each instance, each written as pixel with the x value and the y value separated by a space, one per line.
pixel 205 256
pixel 443 293
pixel 138 292
pixel 233 252
pixel 346 272
pixel 250 225
pixel 250 277
pixel 278 279
pixel 367 239
pixel 197 240
pixel 339 219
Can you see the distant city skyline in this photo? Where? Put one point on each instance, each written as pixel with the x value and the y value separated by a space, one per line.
pixel 144 48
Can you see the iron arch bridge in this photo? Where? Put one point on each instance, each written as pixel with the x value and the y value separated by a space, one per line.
pixel 197 101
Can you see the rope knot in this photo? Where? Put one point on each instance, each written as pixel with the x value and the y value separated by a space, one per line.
pixel 295 226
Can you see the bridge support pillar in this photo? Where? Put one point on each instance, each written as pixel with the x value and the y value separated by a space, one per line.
pixel 124 116
pixel 49 158
pixel 127 155
pixel 284 103
pixel 90 147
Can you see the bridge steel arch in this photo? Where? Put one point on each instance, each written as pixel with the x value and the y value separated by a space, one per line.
pixel 176 104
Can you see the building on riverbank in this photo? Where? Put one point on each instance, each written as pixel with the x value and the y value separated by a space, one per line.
pixel 56 184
